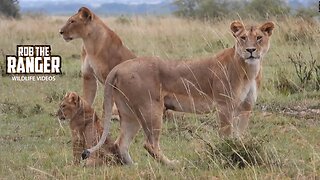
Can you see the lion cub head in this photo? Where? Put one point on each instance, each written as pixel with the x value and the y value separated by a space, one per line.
pixel 77 25
pixel 69 106
pixel 252 43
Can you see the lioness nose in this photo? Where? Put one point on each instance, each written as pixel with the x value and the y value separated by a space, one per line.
pixel 250 50
pixel 60 31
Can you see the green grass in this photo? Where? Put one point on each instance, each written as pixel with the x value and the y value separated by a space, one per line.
pixel 34 146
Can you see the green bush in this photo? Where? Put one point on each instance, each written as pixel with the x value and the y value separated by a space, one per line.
pixel 9 8
pixel 266 9
pixel 217 9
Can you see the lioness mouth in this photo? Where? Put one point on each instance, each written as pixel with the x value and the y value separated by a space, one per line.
pixel 252 57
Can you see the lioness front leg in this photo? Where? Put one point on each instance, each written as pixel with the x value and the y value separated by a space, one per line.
pixel 242 120
pixel 225 112
pixel 244 112
pixel 88 79
pixel 89 87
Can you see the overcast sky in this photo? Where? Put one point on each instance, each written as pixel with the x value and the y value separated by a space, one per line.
pixel 33 3
pixel 98 1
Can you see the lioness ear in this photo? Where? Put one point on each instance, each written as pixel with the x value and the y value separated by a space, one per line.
pixel 85 13
pixel 267 28
pixel 236 28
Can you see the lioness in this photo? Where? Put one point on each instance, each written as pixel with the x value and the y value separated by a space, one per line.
pixel 102 49
pixel 86 129
pixel 227 82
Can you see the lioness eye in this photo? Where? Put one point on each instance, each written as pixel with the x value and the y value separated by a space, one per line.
pixel 63 106
pixel 243 38
pixel 259 38
pixel 72 21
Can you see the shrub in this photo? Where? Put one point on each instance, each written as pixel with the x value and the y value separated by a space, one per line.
pixel 10 8
pixel 266 9
pixel 285 85
pixel 217 9
pixel 305 68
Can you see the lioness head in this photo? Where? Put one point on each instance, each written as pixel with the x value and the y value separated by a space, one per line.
pixel 69 106
pixel 77 25
pixel 252 42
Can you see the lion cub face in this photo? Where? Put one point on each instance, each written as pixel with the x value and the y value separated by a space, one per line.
pixel 251 43
pixel 69 106
pixel 76 26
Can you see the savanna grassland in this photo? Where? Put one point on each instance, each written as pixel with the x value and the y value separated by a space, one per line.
pixel 283 140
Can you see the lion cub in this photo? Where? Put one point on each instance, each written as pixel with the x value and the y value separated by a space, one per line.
pixel 86 129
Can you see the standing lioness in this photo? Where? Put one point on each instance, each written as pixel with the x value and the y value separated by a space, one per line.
pixel 228 82
pixel 102 49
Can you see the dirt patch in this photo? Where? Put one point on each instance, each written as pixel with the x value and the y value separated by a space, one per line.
pixel 298 111
pixel 302 112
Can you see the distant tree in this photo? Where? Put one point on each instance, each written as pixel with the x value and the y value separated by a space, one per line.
pixel 9 8
pixel 307 12
pixel 267 8
pixel 212 9
pixel 186 8
pixel 203 9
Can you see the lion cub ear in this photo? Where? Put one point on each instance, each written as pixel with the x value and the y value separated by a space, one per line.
pixel 74 97
pixel 85 14
pixel 67 94
pixel 236 27
pixel 267 28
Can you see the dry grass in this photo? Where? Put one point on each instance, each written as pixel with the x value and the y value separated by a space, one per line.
pixel 34 146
